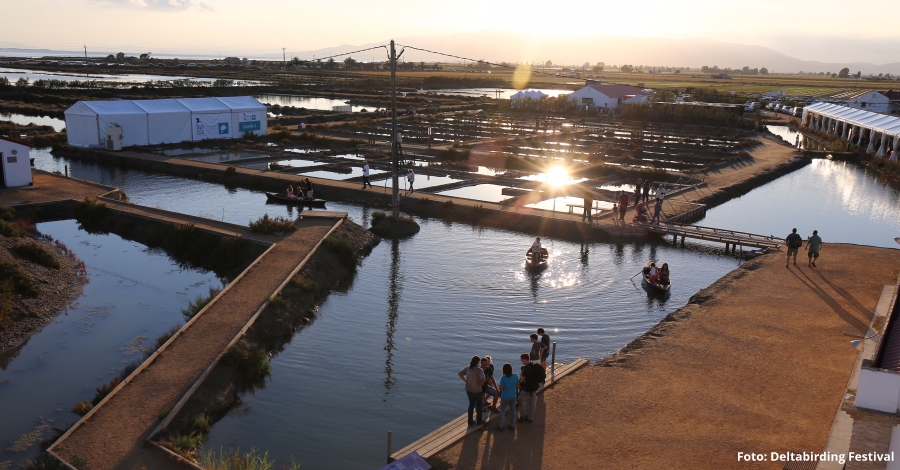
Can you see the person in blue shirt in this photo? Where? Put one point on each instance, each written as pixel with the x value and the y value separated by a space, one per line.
pixel 508 393
pixel 814 245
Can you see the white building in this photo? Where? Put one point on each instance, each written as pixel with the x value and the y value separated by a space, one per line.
pixel 524 95
pixel 165 121
pixel 885 102
pixel 609 96
pixel 15 165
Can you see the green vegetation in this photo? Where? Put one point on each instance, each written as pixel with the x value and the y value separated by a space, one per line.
pixel 269 225
pixel 377 215
pixel 302 283
pixel 194 306
pixel 19 282
pixel 11 229
pixel 201 424
pixel 234 460
pixel 46 461
pixel 343 249
pixel 165 336
pixel 105 390
pixel 279 303
pixel 186 444
pixel 252 364
pixel 230 171
pixel 90 211
pixel 7 213
pixel 37 254
pixel 82 408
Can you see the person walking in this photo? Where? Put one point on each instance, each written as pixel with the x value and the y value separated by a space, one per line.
pixel 657 209
pixel 411 177
pixel 646 190
pixel 545 347
pixel 366 174
pixel 623 205
pixel 474 378
pixel 793 242
pixel 531 378
pixel 509 390
pixel 588 201
pixel 813 245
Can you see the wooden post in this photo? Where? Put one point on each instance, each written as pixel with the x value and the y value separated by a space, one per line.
pixel 553 365
pixel 390 444
pixel 726 247
pixel 675 240
pixel 682 240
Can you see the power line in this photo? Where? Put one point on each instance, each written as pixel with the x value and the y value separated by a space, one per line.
pixel 345 53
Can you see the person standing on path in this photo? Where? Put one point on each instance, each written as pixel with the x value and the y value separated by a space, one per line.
pixel 411 177
pixel 793 242
pixel 474 378
pixel 660 192
pixel 615 211
pixel 489 389
pixel 646 190
pixel 588 201
pixel 657 209
pixel 530 380
pixel 536 349
pixel 545 347
pixel 637 192
pixel 509 384
pixel 813 245
pixel 366 174
pixel 623 205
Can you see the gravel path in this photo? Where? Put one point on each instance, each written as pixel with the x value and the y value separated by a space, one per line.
pixel 758 363
pixel 114 435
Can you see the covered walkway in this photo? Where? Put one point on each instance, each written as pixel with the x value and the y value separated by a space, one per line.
pixel 875 132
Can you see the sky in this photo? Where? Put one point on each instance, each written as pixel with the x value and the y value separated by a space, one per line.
pixel 822 30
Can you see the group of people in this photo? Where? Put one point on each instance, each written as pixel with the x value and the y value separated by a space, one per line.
pixel 813 246
pixel 410 176
pixel 641 200
pixel 303 191
pixel 658 275
pixel 512 391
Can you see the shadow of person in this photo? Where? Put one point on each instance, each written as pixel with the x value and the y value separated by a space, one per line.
pixel 522 448
pixel 853 320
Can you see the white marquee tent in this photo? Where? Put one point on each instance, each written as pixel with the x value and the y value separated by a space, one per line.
pixel 168 121
pixel 855 125
pixel 152 122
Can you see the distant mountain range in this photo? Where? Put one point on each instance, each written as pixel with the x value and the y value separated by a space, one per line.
pixel 495 46
pixel 692 52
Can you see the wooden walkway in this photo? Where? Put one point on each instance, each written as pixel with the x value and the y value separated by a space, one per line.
pixel 457 429
pixel 113 434
pixel 728 237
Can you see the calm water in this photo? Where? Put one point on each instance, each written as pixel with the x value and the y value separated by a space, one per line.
pixel 412 316
pixel 308 102
pixel 23 120
pixel 505 93
pixel 134 294
pixel 32 75
pixel 480 192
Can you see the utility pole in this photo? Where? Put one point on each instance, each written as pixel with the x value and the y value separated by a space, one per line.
pixel 283 56
pixel 395 162
pixel 85 52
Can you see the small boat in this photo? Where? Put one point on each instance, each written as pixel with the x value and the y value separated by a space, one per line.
pixel 277 198
pixel 537 264
pixel 655 287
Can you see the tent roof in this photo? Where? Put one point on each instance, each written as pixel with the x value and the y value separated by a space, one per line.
pixel 204 104
pixel 857 117
pixel 118 107
pixel 161 106
pixel 242 103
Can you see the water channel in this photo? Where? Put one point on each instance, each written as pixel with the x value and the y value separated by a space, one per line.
pixel 382 353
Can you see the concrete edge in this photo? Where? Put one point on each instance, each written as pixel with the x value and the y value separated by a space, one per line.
pixel 150 359
pixel 187 396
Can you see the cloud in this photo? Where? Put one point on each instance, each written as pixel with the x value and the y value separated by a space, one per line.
pixel 161 5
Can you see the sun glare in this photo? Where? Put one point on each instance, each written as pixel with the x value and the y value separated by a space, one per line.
pixel 557 176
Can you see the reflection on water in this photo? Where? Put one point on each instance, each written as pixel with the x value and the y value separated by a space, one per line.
pixel 23 120
pixel 842 201
pixel 787 135
pixel 134 294
pixel 309 102
pixel 395 291
pixel 479 192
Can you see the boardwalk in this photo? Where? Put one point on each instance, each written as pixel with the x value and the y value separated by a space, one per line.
pixel 728 237
pixel 112 435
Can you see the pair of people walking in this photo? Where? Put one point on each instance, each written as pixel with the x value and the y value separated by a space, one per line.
pixel 813 246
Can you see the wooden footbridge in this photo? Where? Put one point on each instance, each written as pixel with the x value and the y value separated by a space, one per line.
pixel 731 238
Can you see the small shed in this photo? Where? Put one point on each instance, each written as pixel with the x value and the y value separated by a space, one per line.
pixel 15 164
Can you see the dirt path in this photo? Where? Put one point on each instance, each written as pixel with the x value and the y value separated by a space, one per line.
pixel 113 437
pixel 758 365
pixel 49 187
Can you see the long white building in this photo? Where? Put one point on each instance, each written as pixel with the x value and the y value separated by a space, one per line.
pixel 609 96
pixel 165 121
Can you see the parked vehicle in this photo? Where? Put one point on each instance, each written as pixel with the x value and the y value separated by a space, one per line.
pixel 798 111
pixel 787 110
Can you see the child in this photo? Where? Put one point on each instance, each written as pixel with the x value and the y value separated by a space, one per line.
pixel 615 211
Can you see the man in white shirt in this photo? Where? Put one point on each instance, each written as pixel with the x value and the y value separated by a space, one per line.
pixel 536 253
pixel 366 174
pixel 661 192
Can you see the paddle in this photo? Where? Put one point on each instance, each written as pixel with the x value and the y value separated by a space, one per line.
pixel 639 272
